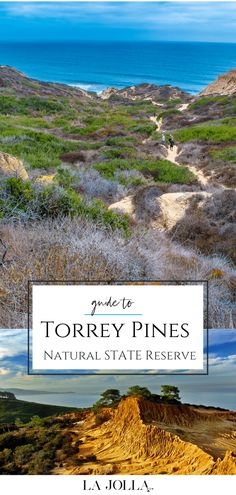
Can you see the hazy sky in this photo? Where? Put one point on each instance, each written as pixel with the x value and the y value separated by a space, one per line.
pixel 218 388
pixel 203 21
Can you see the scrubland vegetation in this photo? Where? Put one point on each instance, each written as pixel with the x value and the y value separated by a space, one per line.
pixel 82 154
pixel 36 447
pixel 20 412
pixel 81 250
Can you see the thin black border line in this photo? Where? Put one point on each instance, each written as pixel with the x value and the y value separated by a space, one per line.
pixel 116 282
pixel 111 281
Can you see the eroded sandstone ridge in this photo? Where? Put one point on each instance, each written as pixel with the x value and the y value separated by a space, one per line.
pixel 141 436
pixel 225 84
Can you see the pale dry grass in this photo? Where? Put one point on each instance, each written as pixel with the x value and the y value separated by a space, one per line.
pixel 78 250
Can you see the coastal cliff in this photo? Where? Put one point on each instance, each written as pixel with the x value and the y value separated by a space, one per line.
pixel 225 84
pixel 142 437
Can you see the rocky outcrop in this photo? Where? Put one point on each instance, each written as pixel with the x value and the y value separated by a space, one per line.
pixel 173 206
pixel 124 206
pixel 148 92
pixel 11 166
pixel 223 85
pixel 162 210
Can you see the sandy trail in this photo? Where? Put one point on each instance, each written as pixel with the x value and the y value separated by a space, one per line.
pixel 172 205
pixel 183 107
pixel 172 156
pixel 173 153
pixel 156 121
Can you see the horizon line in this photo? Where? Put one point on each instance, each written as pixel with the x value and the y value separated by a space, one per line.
pixel 20 41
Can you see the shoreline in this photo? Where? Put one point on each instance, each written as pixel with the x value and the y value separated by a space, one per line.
pixel 99 88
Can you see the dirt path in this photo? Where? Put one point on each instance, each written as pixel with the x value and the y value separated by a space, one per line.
pixel 172 156
pixel 173 153
pixel 156 121
pixel 172 205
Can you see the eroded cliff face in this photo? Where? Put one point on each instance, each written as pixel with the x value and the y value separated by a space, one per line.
pixel 223 85
pixel 143 437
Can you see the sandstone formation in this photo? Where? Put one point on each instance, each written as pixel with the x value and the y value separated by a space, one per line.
pixel 223 85
pixel 144 437
pixel 11 166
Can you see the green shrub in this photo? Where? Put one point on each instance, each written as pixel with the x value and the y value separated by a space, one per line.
pixel 9 105
pixel 9 121
pixel 5 456
pixel 64 178
pixel 134 181
pixel 121 152
pixel 156 136
pixel 41 463
pixel 146 129
pixel 166 113
pixel 29 104
pixel 54 201
pixel 160 170
pixel 41 104
pixel 120 141
pixel 18 190
pixel 227 154
pixel 23 454
pixel 174 102
pixel 206 100
pixel 219 133
pixel 39 150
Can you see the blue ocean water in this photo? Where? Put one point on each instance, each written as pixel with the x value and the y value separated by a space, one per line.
pixel 69 400
pixel 98 65
pixel 209 398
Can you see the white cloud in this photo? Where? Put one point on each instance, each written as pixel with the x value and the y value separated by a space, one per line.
pixel 4 372
pixel 220 381
pixel 146 14
pixel 12 342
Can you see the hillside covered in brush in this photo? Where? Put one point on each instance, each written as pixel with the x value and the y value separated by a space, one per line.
pixel 12 409
pixel 87 190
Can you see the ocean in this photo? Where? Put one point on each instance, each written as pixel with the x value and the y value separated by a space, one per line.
pixel 60 399
pixel 226 400
pixel 95 66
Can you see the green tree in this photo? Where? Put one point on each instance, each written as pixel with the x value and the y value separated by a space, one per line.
pixel 170 392
pixel 137 390
pixel 108 398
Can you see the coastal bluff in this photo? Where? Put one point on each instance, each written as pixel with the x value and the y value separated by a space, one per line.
pixel 225 84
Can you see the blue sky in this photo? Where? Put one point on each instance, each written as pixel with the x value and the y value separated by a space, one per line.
pixel 218 388
pixel 192 21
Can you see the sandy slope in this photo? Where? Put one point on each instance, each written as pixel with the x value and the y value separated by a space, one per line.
pixel 174 205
